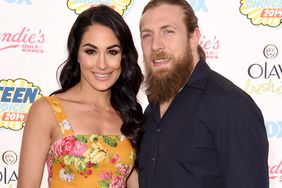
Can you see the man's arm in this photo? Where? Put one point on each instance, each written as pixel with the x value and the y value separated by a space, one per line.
pixel 242 144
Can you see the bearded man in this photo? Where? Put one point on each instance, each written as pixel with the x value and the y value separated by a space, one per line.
pixel 200 130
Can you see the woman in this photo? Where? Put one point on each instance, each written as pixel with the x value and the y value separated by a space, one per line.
pixel 88 131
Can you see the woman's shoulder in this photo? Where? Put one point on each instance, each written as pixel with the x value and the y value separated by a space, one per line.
pixel 41 116
pixel 41 107
pixel 42 102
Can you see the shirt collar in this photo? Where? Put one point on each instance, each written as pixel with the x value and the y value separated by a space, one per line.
pixel 199 76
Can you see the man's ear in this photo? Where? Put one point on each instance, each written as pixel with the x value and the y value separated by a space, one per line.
pixel 194 40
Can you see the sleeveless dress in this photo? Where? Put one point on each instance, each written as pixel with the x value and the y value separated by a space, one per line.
pixel 87 161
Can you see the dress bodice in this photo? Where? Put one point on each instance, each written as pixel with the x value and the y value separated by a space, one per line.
pixel 102 161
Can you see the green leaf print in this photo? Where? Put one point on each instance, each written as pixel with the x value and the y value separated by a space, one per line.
pixel 111 142
pixel 70 170
pixel 103 184
pixel 68 160
pixel 56 160
pixel 81 138
pixel 93 138
pixel 80 165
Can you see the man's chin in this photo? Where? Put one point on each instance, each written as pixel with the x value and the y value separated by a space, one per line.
pixel 160 75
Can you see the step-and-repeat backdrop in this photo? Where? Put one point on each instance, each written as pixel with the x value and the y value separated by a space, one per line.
pixel 242 40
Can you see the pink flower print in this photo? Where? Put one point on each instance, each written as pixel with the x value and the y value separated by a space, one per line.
pixel 122 168
pixel 106 175
pixel 64 146
pixel 78 149
pixel 89 164
pixel 49 164
pixel 117 182
pixel 114 159
pixel 88 172
pixel 49 167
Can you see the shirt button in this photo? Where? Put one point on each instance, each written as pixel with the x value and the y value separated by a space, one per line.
pixel 158 130
pixel 153 159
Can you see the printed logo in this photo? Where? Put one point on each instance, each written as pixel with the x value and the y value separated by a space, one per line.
pixel 8 174
pixel 275 172
pixel 270 51
pixel 270 71
pixel 274 129
pixel 28 2
pixel 26 40
pixel 266 12
pixel 16 97
pixel 210 46
pixel 198 5
pixel 80 5
pixel 9 157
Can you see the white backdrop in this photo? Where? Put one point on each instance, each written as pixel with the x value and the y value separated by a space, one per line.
pixel 242 39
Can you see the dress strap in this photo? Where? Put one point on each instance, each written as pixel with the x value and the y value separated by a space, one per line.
pixel 60 115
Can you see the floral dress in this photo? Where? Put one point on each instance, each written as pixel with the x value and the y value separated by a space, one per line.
pixel 87 161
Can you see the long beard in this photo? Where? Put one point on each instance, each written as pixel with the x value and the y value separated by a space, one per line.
pixel 163 85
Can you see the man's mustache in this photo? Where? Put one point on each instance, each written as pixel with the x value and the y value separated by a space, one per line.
pixel 160 55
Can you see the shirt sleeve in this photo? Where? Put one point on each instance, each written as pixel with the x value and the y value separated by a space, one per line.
pixel 242 144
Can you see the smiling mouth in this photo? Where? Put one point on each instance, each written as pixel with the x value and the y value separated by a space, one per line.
pixel 102 76
pixel 160 62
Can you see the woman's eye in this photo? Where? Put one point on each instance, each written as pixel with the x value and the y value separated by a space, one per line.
pixel 90 51
pixel 113 52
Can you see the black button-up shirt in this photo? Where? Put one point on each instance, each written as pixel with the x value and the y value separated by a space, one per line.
pixel 211 136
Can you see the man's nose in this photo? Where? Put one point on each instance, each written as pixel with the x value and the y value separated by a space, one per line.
pixel 157 43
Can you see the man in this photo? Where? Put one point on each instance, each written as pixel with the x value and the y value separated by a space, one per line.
pixel 200 130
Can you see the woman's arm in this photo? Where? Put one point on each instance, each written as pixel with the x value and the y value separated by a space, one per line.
pixel 132 181
pixel 35 144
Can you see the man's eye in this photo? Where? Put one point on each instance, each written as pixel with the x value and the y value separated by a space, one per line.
pixel 145 36
pixel 113 52
pixel 90 51
pixel 168 31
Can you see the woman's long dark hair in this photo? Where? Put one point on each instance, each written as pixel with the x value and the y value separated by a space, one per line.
pixel 124 91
